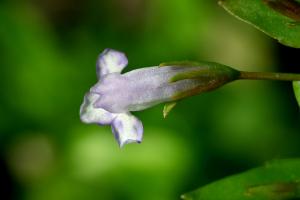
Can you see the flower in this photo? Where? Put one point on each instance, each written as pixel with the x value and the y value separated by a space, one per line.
pixel 110 101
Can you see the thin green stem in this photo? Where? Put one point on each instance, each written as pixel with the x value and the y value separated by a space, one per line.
pixel 269 76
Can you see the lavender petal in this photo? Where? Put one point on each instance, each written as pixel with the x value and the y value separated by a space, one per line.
pixel 89 114
pixel 127 129
pixel 110 61
pixel 142 88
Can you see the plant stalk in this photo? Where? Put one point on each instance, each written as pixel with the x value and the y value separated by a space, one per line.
pixel 269 76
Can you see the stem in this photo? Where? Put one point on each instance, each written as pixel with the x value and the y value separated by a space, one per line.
pixel 269 76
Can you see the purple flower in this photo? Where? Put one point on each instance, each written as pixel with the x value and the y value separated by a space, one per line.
pixel 110 101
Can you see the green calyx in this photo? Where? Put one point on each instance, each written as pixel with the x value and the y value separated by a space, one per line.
pixel 180 63
pixel 209 71
pixel 210 76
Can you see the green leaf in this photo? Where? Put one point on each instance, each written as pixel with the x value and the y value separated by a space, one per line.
pixel 279 19
pixel 296 85
pixel 277 180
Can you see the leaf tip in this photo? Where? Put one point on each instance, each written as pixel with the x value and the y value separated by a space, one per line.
pixel 296 85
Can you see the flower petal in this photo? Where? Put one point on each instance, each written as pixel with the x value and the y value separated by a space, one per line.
pixel 142 88
pixel 127 129
pixel 110 61
pixel 89 114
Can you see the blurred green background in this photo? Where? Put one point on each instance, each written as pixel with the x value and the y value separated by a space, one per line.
pixel 48 53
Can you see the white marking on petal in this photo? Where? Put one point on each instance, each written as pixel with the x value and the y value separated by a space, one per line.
pixel 110 61
pixel 127 129
pixel 89 114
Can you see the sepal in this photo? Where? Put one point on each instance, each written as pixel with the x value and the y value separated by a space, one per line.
pixel 168 107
